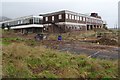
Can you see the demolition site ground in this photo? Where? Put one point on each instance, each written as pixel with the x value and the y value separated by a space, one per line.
pixel 84 54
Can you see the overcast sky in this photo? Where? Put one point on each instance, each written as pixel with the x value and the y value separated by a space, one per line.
pixel 107 9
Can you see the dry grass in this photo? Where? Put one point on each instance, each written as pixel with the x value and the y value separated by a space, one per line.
pixel 23 61
pixel 23 58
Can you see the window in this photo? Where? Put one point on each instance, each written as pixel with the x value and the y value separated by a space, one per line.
pixel 89 20
pixel 83 18
pixel 92 20
pixel 80 27
pixel 75 17
pixel 60 16
pixel 97 21
pixel 77 27
pixel 80 18
pixel 15 22
pixel 21 21
pixel 73 27
pixel 46 18
pixel 86 19
pixel 8 24
pixel 18 22
pixel 36 20
pixel 69 27
pixel 52 18
pixel 72 16
pixel 66 16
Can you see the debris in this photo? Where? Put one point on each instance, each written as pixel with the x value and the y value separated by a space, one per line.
pixel 98 43
pixel 107 41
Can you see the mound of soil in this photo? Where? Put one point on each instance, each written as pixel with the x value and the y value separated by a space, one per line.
pixel 107 41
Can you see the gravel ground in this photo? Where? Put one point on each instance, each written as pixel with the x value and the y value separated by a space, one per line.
pixel 99 51
pixel 90 49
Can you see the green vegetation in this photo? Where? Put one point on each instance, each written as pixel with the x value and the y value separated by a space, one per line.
pixel 101 36
pixel 72 35
pixel 26 58
pixel 22 61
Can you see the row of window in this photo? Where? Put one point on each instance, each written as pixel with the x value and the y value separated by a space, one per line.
pixel 70 17
pixel 59 17
pixel 74 27
pixel 94 20
pixel 81 18
pixel 74 17
pixel 71 27
pixel 23 21
pixel 15 22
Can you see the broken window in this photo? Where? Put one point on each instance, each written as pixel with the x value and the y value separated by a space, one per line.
pixel 46 18
pixel 66 16
pixel 60 16
pixel 72 16
pixel 83 18
pixel 75 17
pixel 80 18
pixel 52 18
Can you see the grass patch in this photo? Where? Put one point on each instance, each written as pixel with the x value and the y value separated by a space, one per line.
pixel 27 58
pixel 22 61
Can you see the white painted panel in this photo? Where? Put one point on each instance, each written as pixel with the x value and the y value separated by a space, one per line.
pixel 26 26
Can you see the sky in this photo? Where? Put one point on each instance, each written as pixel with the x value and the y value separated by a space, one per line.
pixel 107 9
